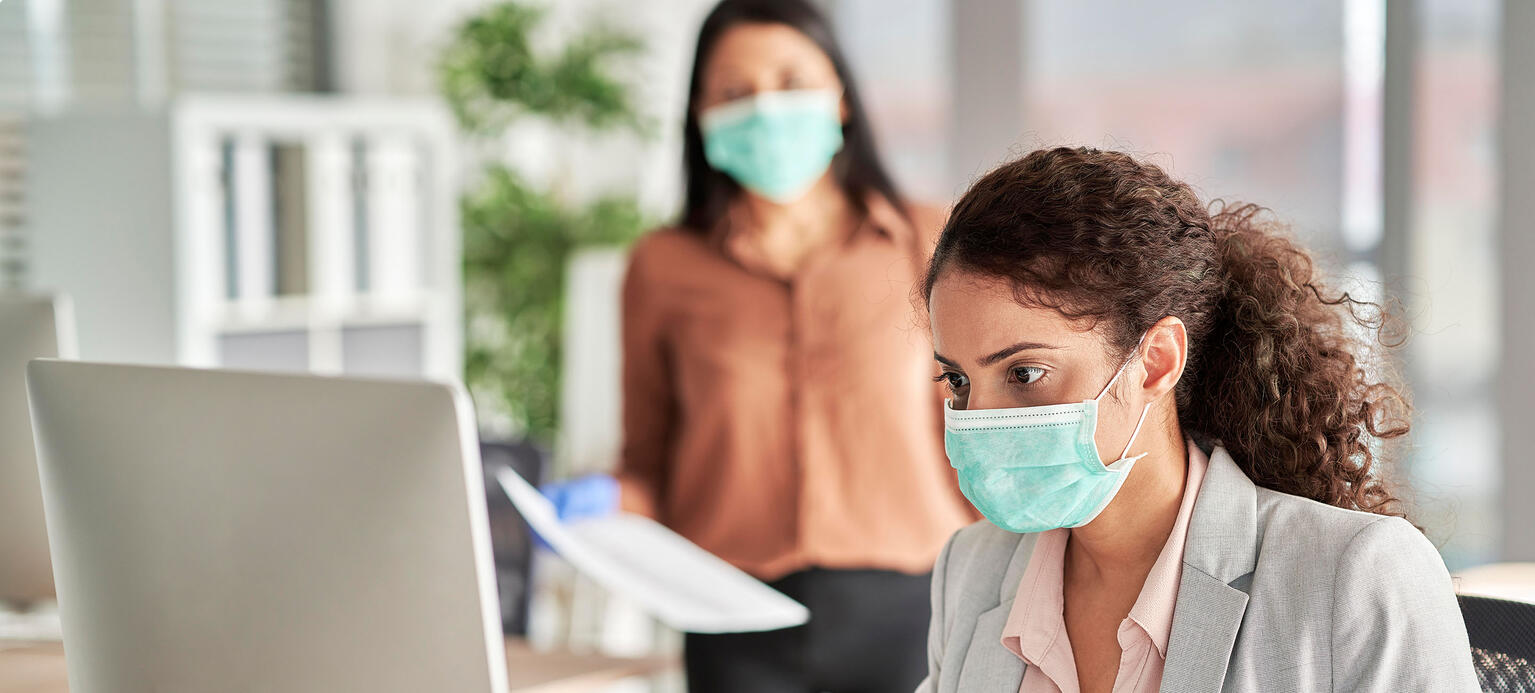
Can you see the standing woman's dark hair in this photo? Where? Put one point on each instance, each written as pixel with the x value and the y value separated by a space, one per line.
pixel 1283 372
pixel 857 167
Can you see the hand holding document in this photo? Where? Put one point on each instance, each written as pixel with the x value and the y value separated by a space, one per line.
pixel 679 583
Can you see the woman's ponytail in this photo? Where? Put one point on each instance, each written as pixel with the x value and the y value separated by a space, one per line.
pixel 1292 380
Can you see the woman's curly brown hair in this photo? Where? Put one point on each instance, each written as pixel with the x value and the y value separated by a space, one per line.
pixel 1288 376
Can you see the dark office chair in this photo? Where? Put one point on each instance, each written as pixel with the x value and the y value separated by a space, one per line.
pixel 511 539
pixel 1502 643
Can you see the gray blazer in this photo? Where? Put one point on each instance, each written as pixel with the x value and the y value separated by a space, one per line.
pixel 1279 593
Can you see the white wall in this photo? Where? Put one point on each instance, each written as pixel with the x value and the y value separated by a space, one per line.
pixel 1516 246
pixel 590 411
pixel 392 47
pixel 100 229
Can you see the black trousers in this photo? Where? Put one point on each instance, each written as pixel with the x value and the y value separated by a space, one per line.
pixel 867 632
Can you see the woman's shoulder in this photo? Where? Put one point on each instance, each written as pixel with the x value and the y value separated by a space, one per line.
pixel 1320 539
pixel 925 219
pixel 665 251
pixel 1286 514
pixel 665 240
pixel 928 216
pixel 1372 585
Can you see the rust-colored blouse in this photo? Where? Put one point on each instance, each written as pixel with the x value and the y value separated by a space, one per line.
pixel 788 424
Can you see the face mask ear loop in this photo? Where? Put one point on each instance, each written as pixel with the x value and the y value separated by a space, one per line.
pixel 1112 380
pixel 1122 368
pixel 1144 411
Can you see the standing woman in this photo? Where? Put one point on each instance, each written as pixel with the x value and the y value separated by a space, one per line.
pixel 779 409
pixel 1173 428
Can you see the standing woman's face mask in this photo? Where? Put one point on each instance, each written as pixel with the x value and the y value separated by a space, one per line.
pixel 1031 428
pixel 770 110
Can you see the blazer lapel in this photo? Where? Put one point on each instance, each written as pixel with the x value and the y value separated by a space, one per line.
pixel 1222 548
pixel 989 666
pixel 1205 624
pixel 1007 591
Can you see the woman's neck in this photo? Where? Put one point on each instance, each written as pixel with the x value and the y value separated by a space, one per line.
pixel 778 238
pixel 1123 542
pixel 824 205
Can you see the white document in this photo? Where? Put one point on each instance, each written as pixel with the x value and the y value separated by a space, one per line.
pixel 679 583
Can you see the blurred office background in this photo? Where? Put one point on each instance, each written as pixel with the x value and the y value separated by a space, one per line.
pixel 277 184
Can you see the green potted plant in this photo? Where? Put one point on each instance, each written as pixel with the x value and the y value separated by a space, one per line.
pixel 517 238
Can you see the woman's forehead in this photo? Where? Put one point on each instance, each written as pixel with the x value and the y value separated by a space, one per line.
pixel 973 315
pixel 746 48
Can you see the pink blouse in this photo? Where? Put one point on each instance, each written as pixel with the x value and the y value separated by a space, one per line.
pixel 1036 627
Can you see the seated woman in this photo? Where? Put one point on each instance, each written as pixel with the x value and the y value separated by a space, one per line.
pixel 1083 302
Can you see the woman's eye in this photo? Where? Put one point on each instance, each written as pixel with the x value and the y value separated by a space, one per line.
pixel 1028 375
pixel 732 93
pixel 955 381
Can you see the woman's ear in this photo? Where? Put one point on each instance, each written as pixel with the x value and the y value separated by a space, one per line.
pixel 1164 353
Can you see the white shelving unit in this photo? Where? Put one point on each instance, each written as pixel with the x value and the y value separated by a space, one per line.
pixel 297 233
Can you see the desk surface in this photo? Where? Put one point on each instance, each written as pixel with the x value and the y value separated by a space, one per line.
pixel 39 668
pixel 1512 581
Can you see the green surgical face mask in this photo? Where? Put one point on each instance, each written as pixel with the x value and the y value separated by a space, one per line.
pixel 777 143
pixel 1030 469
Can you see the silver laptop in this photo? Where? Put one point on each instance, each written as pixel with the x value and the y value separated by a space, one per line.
pixel 30 326
pixel 223 531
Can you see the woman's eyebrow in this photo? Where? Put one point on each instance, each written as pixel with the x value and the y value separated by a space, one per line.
pixel 996 356
pixel 1003 353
